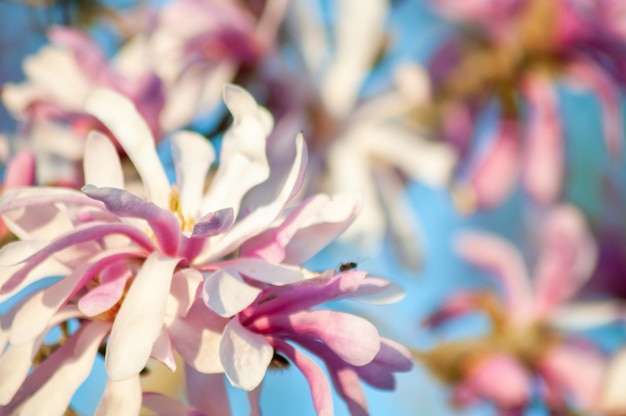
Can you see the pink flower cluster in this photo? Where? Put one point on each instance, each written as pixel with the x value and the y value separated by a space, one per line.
pixel 209 273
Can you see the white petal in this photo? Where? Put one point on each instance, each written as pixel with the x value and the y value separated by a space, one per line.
pixel 259 219
pixel 121 398
pixel 55 395
pixel 120 115
pixel 244 355
pixel 14 365
pixel 101 163
pixel 193 155
pixel 140 318
pixel 226 293
pixel 243 161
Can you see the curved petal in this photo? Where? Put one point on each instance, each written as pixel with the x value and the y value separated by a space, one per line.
pixel 207 392
pixel 197 338
pixel 378 291
pixel 226 293
pixel 193 155
pixel 50 387
pixel 140 318
pixel 20 170
pixel 120 115
pixel 243 162
pixel 101 162
pixel 485 379
pixel 81 235
pixel 263 271
pixel 568 256
pixel 353 339
pixel 262 216
pixel 503 261
pixel 320 390
pixel 244 355
pixel 544 156
pixel 162 222
pixel 121 398
pixel 562 368
pixel 214 223
pixel 494 176
pixel 590 75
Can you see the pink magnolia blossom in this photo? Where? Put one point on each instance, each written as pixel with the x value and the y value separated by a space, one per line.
pixel 524 342
pixel 195 46
pixel 349 346
pixel 132 264
pixel 521 49
pixel 359 144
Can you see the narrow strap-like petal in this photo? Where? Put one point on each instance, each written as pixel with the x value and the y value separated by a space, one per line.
pixel 504 262
pixel 245 355
pixel 119 114
pixel 101 162
pixel 163 222
pixel 193 155
pixel 140 318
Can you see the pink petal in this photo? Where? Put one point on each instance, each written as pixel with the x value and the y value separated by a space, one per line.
pixel 101 162
pixel 108 293
pixel 140 318
pixel 574 371
pixel 197 336
pixel 320 390
pixel 50 387
pixel 493 179
pixel 207 392
pixel 35 314
pixel 353 339
pixel 485 379
pixel 193 155
pixel 544 153
pixel 20 171
pixel 262 216
pixel 121 398
pixel 588 73
pixel 120 115
pixel 214 223
pixel 391 358
pixel 163 351
pixel 313 225
pixel 183 291
pixel 503 261
pixel 81 235
pixel 567 258
pixel 226 293
pixel 244 355
pixel 162 222
pixel 271 244
pixel 306 294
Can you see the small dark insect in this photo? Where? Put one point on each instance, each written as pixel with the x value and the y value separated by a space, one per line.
pixel 344 267
pixel 279 362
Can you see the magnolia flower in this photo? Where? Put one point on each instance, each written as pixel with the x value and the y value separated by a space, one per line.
pixel 195 46
pixel 358 144
pixel 524 342
pixel 132 264
pixel 512 61
pixel 261 337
